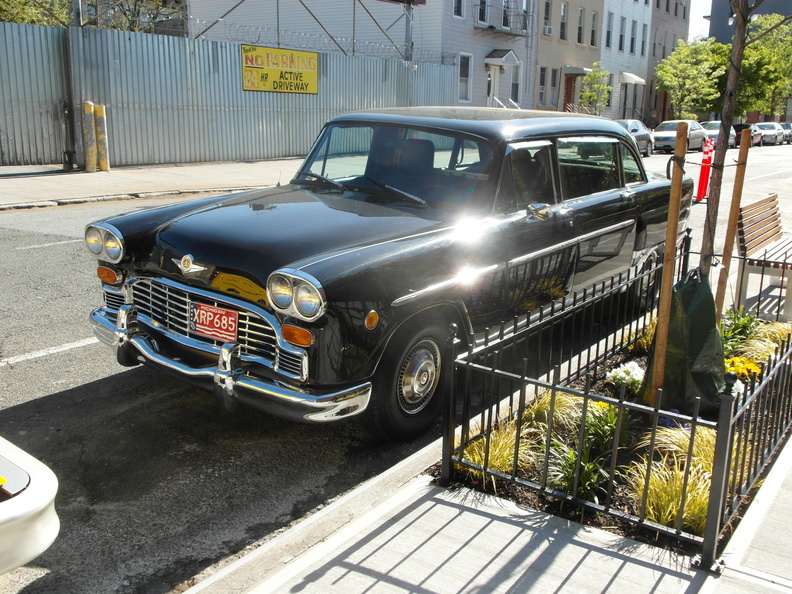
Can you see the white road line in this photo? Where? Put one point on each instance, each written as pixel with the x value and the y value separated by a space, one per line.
pixel 49 351
pixel 43 245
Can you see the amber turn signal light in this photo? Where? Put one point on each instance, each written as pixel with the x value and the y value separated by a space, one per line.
pixel 371 321
pixel 109 276
pixel 297 336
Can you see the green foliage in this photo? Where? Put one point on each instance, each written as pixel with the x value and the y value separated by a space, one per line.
pixel 53 13
pixel 501 444
pixel 689 75
pixel 665 489
pixel 125 15
pixel 737 327
pixel 756 73
pixel 563 464
pixel 773 41
pixel 601 422
pixel 595 90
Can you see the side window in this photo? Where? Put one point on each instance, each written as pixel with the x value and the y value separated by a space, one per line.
pixel 632 171
pixel 527 176
pixel 588 165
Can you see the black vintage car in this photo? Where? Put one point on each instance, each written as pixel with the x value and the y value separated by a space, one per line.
pixel 332 296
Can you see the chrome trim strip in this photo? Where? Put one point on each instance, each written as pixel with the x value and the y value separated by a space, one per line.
pixel 516 261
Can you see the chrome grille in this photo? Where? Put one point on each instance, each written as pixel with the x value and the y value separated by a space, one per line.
pixel 167 306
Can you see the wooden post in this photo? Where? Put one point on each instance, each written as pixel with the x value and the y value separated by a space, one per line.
pixel 731 229
pixel 669 258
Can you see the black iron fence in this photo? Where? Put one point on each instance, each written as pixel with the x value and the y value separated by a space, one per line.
pixel 538 407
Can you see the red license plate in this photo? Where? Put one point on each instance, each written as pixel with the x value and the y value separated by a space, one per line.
pixel 214 322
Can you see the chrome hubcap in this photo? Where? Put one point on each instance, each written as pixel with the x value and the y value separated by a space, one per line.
pixel 418 376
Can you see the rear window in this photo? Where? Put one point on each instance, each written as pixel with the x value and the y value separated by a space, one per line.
pixel 666 126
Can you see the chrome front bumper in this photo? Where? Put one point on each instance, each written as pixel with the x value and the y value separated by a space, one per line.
pixel 229 381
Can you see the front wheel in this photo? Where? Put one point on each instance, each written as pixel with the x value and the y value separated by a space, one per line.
pixel 407 395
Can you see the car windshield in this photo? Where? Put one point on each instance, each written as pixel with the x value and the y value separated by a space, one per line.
pixel 666 126
pixel 711 125
pixel 401 166
pixel 766 126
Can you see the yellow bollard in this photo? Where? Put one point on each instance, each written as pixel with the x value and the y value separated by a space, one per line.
pixel 102 146
pixel 89 137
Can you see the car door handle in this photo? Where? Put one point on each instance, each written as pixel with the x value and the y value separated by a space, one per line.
pixel 627 195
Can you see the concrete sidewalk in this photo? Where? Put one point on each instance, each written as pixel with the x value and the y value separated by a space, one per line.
pixel 38 186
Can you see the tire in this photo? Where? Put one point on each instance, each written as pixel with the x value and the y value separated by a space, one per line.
pixel 648 152
pixel 647 286
pixel 407 396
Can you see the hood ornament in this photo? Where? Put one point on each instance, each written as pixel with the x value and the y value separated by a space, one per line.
pixel 187 264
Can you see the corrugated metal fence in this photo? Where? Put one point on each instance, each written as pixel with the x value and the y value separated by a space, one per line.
pixel 177 100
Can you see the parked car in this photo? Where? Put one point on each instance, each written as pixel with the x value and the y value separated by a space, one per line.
pixel 643 136
pixel 756 135
pixel 332 296
pixel 713 130
pixel 772 132
pixel 29 523
pixel 665 135
pixel 787 132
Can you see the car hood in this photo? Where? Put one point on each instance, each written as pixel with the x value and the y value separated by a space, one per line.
pixel 253 234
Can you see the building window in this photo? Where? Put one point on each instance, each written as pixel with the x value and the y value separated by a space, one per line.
pixel 609 30
pixel 554 86
pixel 548 8
pixel 593 29
pixel 542 83
pixel 505 19
pixel 581 24
pixel 676 8
pixel 644 33
pixel 458 4
pixel 665 42
pixel 464 77
pixel 515 83
pixel 482 11
pixel 633 35
pixel 562 32
pixel 655 42
pixel 622 33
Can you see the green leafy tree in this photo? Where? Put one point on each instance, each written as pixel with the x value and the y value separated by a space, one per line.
pixel 595 90
pixel 771 37
pixel 689 76
pixel 53 13
pixel 124 15
pixel 758 76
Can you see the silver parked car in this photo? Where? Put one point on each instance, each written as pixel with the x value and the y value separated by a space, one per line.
pixel 643 136
pixel 713 130
pixel 787 132
pixel 665 135
pixel 772 132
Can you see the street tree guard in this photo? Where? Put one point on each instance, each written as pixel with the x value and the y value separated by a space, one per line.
pixel 669 256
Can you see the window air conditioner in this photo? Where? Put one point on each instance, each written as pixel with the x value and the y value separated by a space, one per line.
pixel 548 30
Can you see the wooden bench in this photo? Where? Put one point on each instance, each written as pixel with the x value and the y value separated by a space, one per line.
pixel 763 247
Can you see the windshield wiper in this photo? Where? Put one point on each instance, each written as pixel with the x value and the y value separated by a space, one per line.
pixel 398 193
pixel 326 180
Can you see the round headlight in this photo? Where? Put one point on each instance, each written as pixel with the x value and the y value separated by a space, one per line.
pixel 280 290
pixel 307 300
pixel 112 247
pixel 93 240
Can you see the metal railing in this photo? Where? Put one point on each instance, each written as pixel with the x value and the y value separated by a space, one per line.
pixel 511 399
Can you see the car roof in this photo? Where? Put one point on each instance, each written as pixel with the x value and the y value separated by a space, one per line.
pixel 494 124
